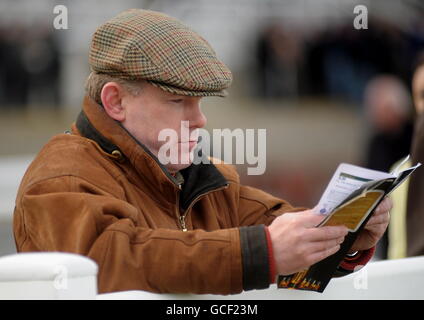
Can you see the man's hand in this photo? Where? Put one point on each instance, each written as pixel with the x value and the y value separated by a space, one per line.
pixel 298 244
pixel 375 227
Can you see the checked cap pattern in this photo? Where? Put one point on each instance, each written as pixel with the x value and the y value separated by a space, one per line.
pixel 149 45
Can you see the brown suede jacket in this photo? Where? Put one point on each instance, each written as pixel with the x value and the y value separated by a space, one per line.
pixel 96 191
pixel 99 193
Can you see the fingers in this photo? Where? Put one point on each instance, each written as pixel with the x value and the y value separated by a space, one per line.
pixel 381 214
pixel 325 233
pixel 308 253
pixel 325 245
pixel 308 219
pixel 385 206
pixel 320 255
pixel 382 218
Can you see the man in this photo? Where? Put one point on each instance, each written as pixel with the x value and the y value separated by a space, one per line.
pixel 102 191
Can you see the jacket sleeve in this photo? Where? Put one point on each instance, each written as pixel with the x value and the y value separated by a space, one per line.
pixel 72 215
pixel 257 209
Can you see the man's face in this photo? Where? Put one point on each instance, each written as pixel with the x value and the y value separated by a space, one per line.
pixel 418 89
pixel 154 110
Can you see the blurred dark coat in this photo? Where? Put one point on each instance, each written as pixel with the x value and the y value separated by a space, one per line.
pixel 415 205
pixel 385 149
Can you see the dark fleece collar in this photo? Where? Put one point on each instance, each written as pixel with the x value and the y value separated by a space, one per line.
pixel 198 178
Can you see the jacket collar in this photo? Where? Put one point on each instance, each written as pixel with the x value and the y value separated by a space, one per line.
pixel 93 123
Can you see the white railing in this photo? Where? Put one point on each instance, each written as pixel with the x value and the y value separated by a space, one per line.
pixel 69 276
pixel 47 275
pixel 12 169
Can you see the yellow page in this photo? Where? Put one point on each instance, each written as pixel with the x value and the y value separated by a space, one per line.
pixel 354 212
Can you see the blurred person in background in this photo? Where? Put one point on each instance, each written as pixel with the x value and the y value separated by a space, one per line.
pixel 278 57
pixel 29 66
pixel 415 200
pixel 102 191
pixel 40 59
pixel 388 110
pixel 14 82
pixel 339 62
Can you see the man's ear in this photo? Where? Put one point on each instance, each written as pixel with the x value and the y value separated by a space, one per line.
pixel 111 95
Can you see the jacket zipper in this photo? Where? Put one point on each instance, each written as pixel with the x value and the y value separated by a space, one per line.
pixel 181 221
pixel 181 217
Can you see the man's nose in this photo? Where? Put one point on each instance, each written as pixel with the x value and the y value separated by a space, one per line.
pixel 196 118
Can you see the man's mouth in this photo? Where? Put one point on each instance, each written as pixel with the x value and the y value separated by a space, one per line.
pixel 192 143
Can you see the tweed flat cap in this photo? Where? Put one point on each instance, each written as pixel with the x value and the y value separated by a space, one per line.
pixel 144 44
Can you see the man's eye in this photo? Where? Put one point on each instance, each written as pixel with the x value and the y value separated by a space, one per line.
pixel 177 100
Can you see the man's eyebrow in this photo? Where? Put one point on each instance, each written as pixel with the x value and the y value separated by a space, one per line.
pixel 175 96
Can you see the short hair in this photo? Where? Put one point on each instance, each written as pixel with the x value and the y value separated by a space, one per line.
pixel 96 81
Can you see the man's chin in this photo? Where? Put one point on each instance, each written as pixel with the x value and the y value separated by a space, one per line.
pixel 173 168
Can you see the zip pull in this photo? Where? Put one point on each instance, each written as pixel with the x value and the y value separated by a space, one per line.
pixel 182 223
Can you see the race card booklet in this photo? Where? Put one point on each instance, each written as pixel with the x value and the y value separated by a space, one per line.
pixel 349 199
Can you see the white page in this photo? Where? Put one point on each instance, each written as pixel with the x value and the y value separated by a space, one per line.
pixel 345 180
pixel 395 172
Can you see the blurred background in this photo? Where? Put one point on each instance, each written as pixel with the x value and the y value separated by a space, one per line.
pixel 325 92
